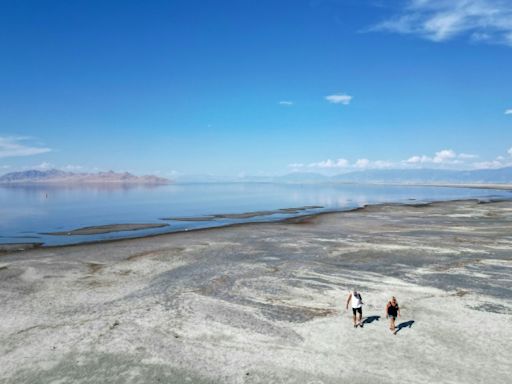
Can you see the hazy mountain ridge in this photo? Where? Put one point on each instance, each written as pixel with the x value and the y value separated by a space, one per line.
pixel 484 176
pixel 397 176
pixel 55 176
pixel 394 176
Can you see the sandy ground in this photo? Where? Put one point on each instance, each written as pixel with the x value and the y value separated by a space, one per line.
pixel 264 303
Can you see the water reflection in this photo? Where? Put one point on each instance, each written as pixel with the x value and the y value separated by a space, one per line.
pixel 30 210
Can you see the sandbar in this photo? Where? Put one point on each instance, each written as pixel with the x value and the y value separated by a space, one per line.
pixel 99 229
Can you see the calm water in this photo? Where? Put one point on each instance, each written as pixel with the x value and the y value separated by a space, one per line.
pixel 26 212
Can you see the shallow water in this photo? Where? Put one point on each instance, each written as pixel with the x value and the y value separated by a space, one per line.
pixel 28 211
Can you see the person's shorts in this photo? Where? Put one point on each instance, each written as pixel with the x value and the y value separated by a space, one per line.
pixel 355 310
pixel 392 316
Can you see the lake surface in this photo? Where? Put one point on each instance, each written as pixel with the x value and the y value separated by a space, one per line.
pixel 27 212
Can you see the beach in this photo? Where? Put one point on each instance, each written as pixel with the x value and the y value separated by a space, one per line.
pixel 265 302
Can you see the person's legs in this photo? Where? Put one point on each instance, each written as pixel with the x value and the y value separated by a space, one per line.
pixel 354 317
pixel 392 326
pixel 360 317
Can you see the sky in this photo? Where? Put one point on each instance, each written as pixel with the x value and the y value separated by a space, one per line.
pixel 255 87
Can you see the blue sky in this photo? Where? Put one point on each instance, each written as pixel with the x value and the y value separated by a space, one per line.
pixel 255 87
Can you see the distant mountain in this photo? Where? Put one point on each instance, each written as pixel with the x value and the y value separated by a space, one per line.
pixel 198 179
pixel 429 176
pixel 408 176
pixel 302 177
pixel 305 177
pixel 55 176
pixel 390 176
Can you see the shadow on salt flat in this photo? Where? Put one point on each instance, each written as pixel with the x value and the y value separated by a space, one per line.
pixel 371 319
pixel 405 324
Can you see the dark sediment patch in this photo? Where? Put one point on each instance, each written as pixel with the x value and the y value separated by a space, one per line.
pixel 306 219
pixel 95 267
pixel 249 215
pixel 100 229
pixel 200 218
pixel 245 215
pixel 461 293
pixel 494 308
pixel 14 247
pixel 174 250
pixel 294 314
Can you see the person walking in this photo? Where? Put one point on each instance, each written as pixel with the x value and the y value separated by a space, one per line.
pixel 392 312
pixel 357 307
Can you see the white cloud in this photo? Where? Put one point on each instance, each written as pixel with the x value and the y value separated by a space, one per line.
pixel 369 164
pixel 445 156
pixel 339 163
pixel 362 163
pixel 343 164
pixel 339 99
pixel 499 162
pixel 418 159
pixel 487 21
pixel 287 103
pixel 467 156
pixel 508 111
pixel 17 146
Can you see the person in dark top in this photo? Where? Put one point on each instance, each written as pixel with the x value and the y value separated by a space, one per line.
pixel 392 312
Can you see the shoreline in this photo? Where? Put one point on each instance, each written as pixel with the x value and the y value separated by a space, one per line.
pixel 22 247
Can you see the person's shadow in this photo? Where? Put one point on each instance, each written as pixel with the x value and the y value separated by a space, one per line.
pixel 371 319
pixel 405 324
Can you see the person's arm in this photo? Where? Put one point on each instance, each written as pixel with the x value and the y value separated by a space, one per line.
pixel 348 300
pixel 398 310
pixel 387 306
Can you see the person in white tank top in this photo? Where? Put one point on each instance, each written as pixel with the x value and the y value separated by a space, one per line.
pixel 357 308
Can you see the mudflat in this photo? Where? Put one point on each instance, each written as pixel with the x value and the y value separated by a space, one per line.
pixel 265 302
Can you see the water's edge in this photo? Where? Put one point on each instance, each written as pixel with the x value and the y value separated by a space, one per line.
pixel 297 219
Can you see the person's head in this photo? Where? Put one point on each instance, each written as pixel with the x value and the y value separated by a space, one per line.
pixel 393 299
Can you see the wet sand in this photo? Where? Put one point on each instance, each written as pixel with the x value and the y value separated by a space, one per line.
pixel 264 302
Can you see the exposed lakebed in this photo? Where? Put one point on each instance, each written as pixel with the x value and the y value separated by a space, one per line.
pixel 264 302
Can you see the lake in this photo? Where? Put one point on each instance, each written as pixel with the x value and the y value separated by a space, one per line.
pixel 26 212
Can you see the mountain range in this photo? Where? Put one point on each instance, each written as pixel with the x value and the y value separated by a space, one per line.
pixel 430 176
pixel 55 176
pixel 391 176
